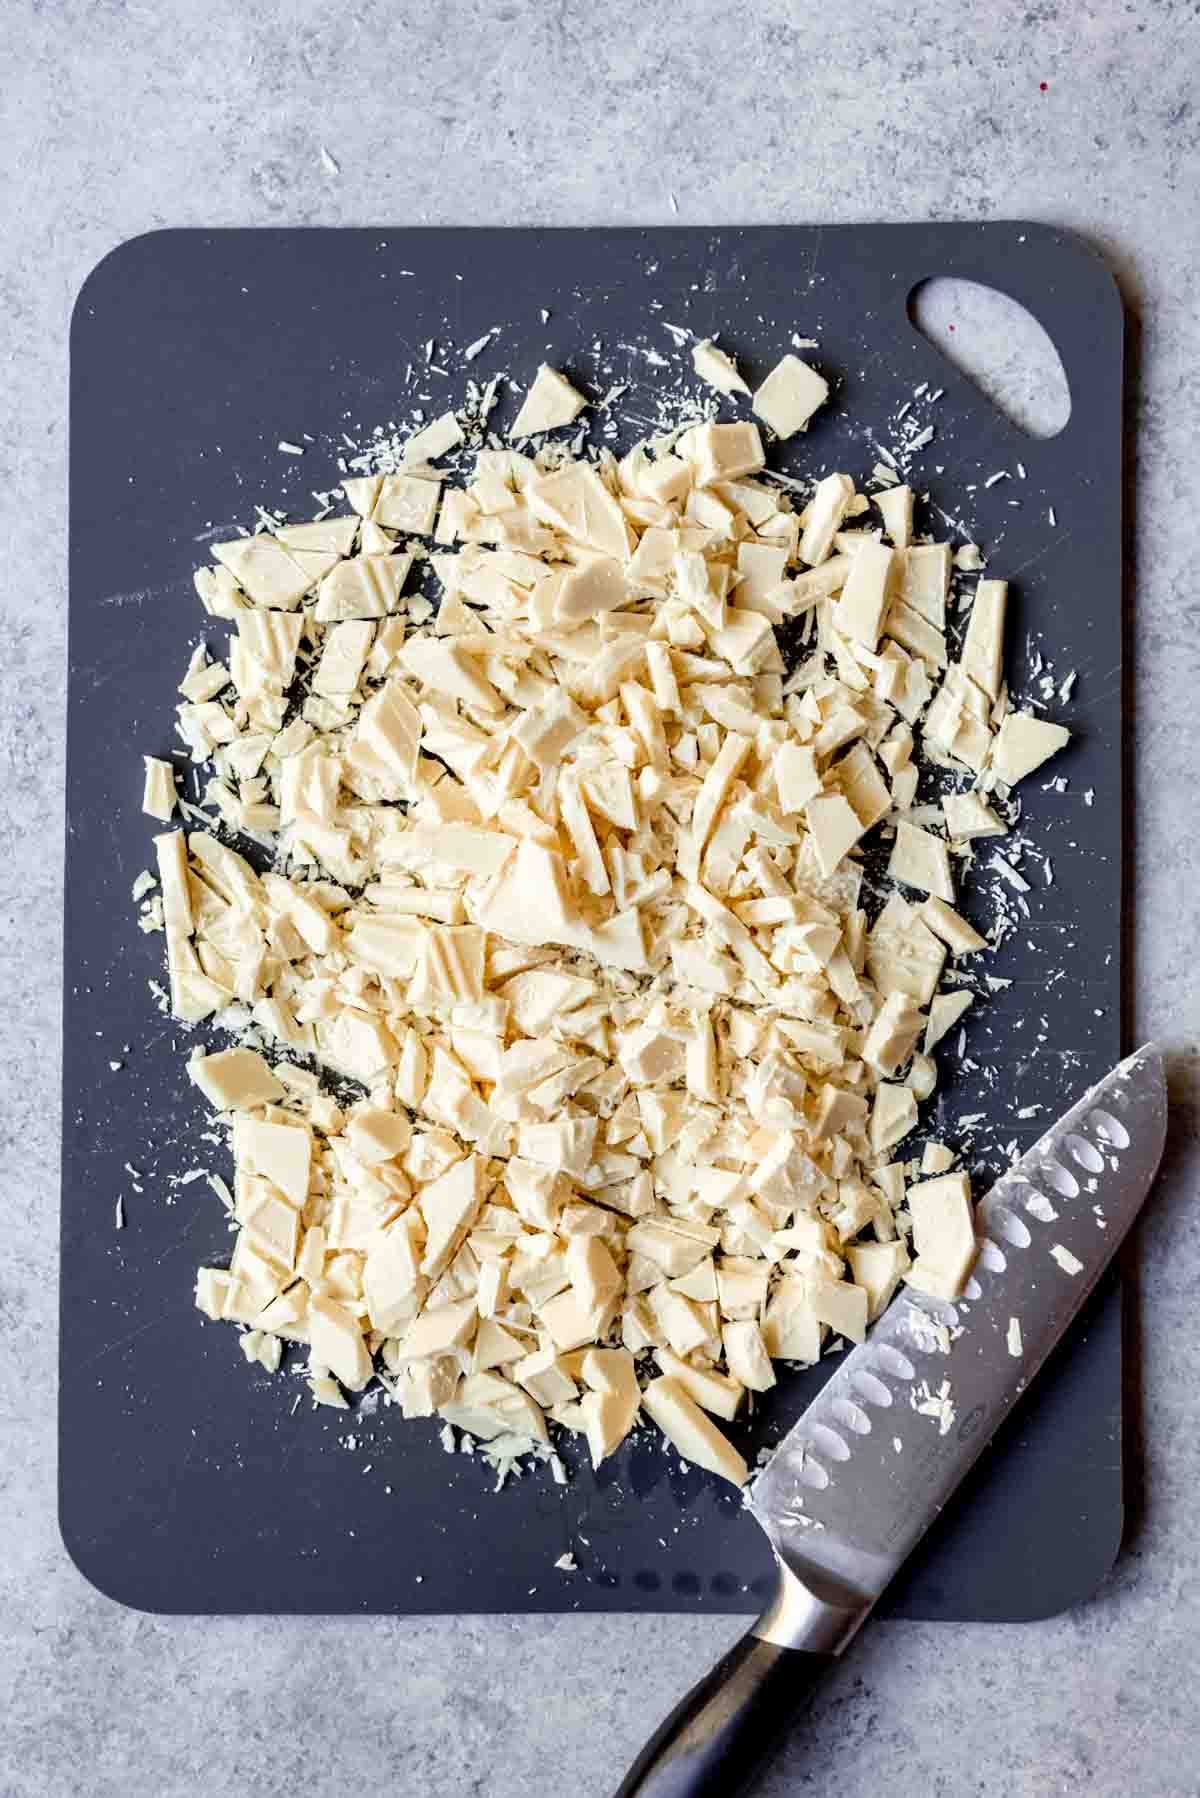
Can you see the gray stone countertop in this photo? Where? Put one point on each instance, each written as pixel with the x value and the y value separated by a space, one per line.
pixel 118 117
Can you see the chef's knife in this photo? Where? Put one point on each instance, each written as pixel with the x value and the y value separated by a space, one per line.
pixel 868 1468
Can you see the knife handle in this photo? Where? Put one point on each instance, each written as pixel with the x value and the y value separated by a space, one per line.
pixel 720 1734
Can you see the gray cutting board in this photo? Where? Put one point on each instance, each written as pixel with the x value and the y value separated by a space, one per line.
pixel 187 1485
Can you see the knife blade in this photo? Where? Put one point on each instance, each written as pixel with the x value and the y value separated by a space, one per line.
pixel 870 1465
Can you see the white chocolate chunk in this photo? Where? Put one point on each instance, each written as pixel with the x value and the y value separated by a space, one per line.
pixel 270 641
pixel 878 1268
pixel 407 503
pixel 171 853
pixel 925 581
pixel 1023 744
pixel 921 860
pixel 612 1402
pixel 590 590
pixel 715 1392
pixel 892 1116
pixel 367 586
pixel 915 633
pixel 265 571
pixel 346 649
pixel 687 1428
pixel 967 815
pixel 840 1305
pixel 835 828
pixel 896 509
pixel 389 731
pixel 717 368
pixel 860 611
pixel 550 402
pixel 437 1330
pixel 444 668
pixel 796 778
pixel 863 785
pixel 944 1012
pixel 724 452
pixel 893 1034
pixel 281 1153
pixel 746 1354
pixel 983 647
pixel 826 510
pixel 790 395
pixel 959 936
pixel 235 1079
pixel 943 1235
pixel 791 1329
pixel 434 439
pixel 159 796
pixel 335 1341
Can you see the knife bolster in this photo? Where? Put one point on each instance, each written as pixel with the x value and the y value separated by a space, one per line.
pixel 813 1614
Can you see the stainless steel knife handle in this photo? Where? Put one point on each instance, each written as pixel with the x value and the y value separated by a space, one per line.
pixel 722 1731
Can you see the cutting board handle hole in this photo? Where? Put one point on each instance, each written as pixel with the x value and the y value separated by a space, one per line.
pixel 999 347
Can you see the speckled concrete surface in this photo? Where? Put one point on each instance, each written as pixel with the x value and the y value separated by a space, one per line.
pixel 116 118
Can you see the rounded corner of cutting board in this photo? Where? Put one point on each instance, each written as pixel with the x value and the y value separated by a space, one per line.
pixel 93 1560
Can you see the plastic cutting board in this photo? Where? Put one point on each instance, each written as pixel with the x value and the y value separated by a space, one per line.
pixel 187 1484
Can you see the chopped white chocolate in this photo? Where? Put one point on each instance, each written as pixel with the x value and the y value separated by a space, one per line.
pixel 893 1034
pixel 281 1153
pixel 235 1079
pixel 1023 744
pixel 725 452
pixel 550 402
pixel 840 1305
pixel 797 780
pixel 959 937
pixel 367 586
pixel 921 860
pixel 860 611
pixel 944 1012
pixel 790 395
pixel 407 503
pixel 835 828
pixel 560 870
pixel 685 1425
pixel 434 440
pixel 892 1116
pixel 896 509
pixel 943 1235
pixel 825 512
pixel 878 1268
pixel 159 797
pixel 266 572
pixel 746 1355
pixel 716 368
pixel 983 647
pixel 925 581
pixel 336 1342
pixel 968 815
pixel 713 1391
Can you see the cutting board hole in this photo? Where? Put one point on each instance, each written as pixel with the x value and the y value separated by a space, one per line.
pixel 999 347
